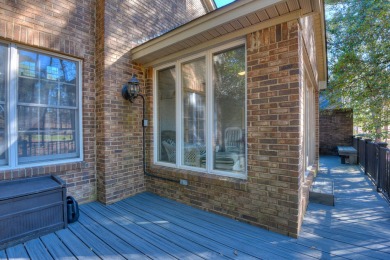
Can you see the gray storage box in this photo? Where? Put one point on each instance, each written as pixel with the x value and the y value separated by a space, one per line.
pixel 30 208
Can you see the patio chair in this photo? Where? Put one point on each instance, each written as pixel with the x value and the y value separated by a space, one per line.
pixel 170 148
pixel 233 139
pixel 193 154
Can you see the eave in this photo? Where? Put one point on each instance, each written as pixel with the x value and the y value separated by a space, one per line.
pixel 228 23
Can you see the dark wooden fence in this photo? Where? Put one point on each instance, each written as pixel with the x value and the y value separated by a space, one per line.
pixel 374 158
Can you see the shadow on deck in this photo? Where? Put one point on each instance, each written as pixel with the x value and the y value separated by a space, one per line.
pixel 150 227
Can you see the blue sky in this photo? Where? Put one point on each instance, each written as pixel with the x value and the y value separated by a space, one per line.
pixel 220 3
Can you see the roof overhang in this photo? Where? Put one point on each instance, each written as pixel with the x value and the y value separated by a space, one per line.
pixel 228 23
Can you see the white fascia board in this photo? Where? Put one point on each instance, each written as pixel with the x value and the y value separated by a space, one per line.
pixel 319 8
pixel 209 5
pixel 202 24
pixel 324 48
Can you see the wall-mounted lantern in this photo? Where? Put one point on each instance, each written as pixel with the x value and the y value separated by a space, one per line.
pixel 131 90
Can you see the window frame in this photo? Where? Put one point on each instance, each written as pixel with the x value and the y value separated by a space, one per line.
pixel 209 115
pixel 309 120
pixel 12 159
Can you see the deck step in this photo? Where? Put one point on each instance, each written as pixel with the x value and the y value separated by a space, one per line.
pixel 322 192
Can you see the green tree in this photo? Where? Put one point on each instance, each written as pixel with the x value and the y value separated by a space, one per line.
pixel 359 61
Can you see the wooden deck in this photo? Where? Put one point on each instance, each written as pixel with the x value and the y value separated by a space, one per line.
pixel 150 227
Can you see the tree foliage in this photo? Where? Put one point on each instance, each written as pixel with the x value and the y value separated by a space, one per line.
pixel 359 61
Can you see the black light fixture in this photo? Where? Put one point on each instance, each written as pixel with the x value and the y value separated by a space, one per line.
pixel 131 90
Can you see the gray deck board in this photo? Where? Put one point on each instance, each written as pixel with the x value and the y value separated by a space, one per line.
pixel 254 235
pixel 150 237
pixel 251 234
pixel 99 247
pixel 147 226
pixel 37 250
pixel 56 248
pixel 181 241
pixel 75 245
pixel 210 245
pixel 322 245
pixel 17 252
pixel 206 232
pixel 232 238
pixel 121 246
pixel 135 240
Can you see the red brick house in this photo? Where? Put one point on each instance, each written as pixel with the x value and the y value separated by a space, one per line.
pixel 231 98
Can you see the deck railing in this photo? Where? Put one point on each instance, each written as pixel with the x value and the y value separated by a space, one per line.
pixel 374 158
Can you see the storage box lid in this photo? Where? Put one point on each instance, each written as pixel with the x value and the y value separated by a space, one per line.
pixel 22 187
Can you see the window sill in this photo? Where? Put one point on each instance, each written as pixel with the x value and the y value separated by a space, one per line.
pixel 195 175
pixel 46 164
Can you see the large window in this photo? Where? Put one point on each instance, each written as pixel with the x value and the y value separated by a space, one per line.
pixel 200 112
pixel 39 107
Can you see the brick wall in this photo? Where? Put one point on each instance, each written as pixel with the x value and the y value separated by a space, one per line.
pixel 101 33
pixel 269 197
pixel 121 25
pixel 336 128
pixel 67 28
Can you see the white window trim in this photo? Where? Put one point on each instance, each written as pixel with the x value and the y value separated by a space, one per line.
pixel 12 160
pixel 208 115
pixel 309 123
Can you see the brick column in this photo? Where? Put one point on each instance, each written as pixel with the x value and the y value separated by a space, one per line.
pixel 121 25
pixel 274 134
pixel 119 129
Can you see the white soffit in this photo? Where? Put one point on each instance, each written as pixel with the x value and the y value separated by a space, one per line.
pixel 226 23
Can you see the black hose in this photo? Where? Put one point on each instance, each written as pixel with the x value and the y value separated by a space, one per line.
pixel 144 146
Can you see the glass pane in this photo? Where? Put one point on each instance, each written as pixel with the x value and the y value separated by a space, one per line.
pixel 68 95
pixel 67 119
pixel 3 139
pixel 47 70
pixel 67 131
pixel 3 107
pixel 70 71
pixel 46 67
pixel 49 93
pixel 229 110
pixel 46 131
pixel 34 143
pixel 48 118
pixel 3 71
pixel 28 118
pixel 28 144
pixel 166 79
pixel 194 105
pixel 50 68
pixel 28 90
pixel 28 64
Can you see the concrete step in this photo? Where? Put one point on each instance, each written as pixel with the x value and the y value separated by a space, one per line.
pixel 322 192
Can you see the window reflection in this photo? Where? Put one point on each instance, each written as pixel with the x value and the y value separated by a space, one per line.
pixel 229 110
pixel 194 106
pixel 166 80
pixel 3 79
pixel 36 65
pixel 47 105
pixel 226 113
